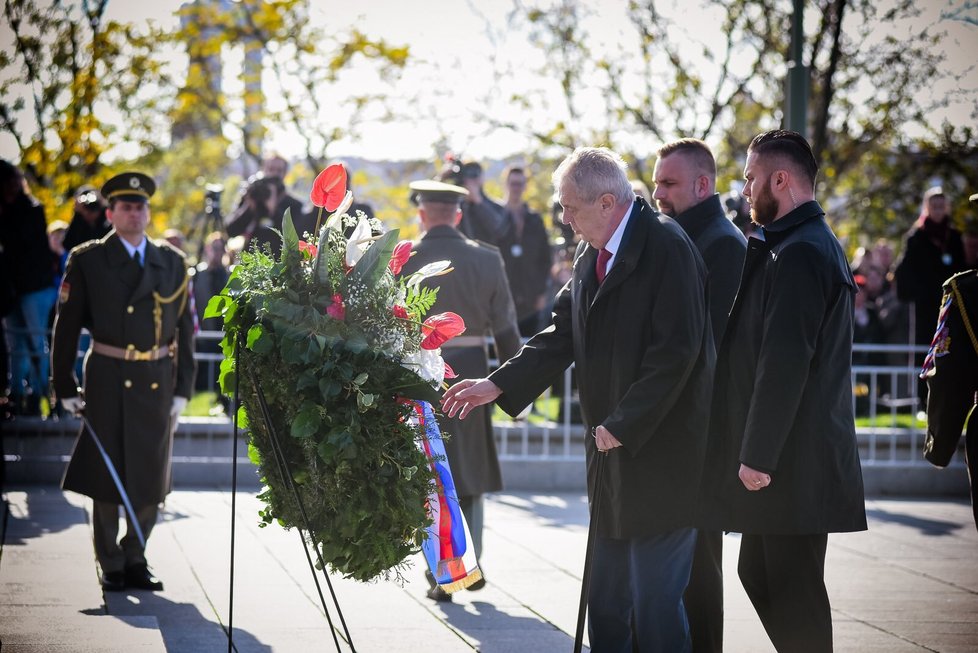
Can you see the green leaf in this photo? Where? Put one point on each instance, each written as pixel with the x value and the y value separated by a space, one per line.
pixel 215 307
pixel 254 335
pixel 322 258
pixel 306 421
pixel 290 239
pixel 373 263
pixel 365 401
pixel 361 378
pixel 227 377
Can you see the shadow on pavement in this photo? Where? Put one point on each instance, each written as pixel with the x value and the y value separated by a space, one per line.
pixel 182 625
pixel 48 511
pixel 931 527
pixel 499 632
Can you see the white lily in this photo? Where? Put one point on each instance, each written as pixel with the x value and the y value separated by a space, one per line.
pixel 358 242
pixel 431 270
pixel 426 363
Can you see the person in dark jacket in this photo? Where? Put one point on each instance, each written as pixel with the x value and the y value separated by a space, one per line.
pixel 932 252
pixel 131 293
pixel 633 319
pixel 685 189
pixel 477 291
pixel 525 248
pixel 89 221
pixel 951 372
pixel 24 238
pixel 782 463
pixel 264 202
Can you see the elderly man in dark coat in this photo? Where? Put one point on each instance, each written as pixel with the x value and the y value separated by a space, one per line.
pixel 633 318
pixel 783 467
pixel 685 177
pixel 476 290
pixel 951 372
pixel 131 294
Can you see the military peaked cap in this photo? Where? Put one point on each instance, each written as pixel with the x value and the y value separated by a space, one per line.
pixel 129 186
pixel 429 190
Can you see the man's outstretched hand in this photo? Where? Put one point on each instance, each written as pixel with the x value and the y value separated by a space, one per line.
pixel 465 395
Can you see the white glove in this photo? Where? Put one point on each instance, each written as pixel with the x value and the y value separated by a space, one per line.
pixel 74 405
pixel 179 403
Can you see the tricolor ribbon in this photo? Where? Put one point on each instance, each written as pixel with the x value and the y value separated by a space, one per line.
pixel 448 546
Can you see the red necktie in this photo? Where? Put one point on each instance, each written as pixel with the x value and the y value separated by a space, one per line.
pixel 601 266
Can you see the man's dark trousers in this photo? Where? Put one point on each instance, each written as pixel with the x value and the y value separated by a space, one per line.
pixel 784 576
pixel 704 595
pixel 635 599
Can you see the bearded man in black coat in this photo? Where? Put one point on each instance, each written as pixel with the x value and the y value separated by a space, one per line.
pixel 633 318
pixel 782 464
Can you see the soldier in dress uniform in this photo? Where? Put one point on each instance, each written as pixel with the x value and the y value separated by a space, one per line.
pixel 951 372
pixel 478 291
pixel 131 293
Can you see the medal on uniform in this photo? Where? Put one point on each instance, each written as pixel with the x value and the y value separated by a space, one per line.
pixel 946 258
pixel 516 250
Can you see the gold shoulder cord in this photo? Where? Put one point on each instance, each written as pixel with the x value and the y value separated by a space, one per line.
pixel 159 301
pixel 964 315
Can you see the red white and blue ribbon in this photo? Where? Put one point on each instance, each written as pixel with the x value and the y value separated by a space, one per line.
pixel 941 343
pixel 448 545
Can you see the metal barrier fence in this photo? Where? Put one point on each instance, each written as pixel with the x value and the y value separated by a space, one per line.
pixel 889 430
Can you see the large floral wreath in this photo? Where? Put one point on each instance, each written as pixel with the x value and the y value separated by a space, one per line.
pixel 338 347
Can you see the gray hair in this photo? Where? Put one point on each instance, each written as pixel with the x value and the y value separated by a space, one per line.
pixel 595 171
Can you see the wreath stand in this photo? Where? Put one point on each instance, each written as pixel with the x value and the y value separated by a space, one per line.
pixel 285 472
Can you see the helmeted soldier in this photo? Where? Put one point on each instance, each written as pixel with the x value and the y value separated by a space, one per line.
pixel 131 294
pixel 478 291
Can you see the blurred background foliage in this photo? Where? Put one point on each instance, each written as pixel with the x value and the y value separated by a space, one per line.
pixel 63 64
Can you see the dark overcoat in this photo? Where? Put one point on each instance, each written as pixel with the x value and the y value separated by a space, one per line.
pixel 477 290
pixel 644 353
pixel 723 247
pixel 127 402
pixel 952 378
pixel 783 398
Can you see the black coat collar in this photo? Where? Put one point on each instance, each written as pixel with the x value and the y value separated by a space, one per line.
pixel 695 219
pixel 778 229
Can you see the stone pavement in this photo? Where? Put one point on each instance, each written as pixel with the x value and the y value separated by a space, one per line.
pixel 908 584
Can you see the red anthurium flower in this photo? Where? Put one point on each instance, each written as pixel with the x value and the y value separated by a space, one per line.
pixel 439 329
pixel 308 248
pixel 402 252
pixel 449 372
pixel 399 311
pixel 330 187
pixel 336 309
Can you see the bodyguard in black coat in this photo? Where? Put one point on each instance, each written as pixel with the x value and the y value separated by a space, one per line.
pixel 951 371
pixel 782 467
pixel 685 189
pixel 643 348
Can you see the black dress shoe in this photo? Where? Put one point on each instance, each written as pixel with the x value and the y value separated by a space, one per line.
pixel 435 592
pixel 477 585
pixel 113 581
pixel 138 577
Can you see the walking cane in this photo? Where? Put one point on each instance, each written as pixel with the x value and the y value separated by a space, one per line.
pixel 589 552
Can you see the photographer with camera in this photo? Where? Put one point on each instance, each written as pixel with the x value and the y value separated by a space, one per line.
pixel 482 218
pixel 263 204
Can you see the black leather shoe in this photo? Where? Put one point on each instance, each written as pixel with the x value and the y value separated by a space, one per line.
pixel 138 577
pixel 435 592
pixel 477 585
pixel 113 581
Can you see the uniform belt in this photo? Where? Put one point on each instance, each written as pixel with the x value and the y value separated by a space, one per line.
pixel 465 341
pixel 131 353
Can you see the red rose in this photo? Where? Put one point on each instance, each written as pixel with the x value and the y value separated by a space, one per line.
pixel 439 329
pixel 402 252
pixel 399 311
pixel 308 248
pixel 329 189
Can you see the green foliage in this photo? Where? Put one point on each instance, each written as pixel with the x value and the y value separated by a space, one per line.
pixel 336 392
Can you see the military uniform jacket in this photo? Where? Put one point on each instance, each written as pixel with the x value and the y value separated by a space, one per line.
pixel 478 291
pixel 644 353
pixel 783 394
pixel 951 370
pixel 127 402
